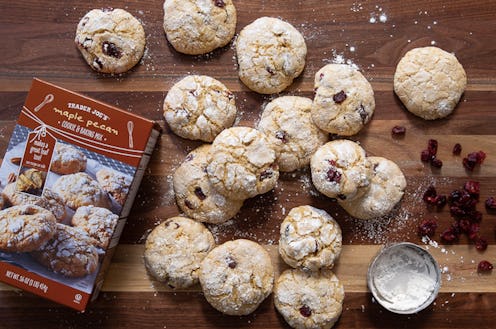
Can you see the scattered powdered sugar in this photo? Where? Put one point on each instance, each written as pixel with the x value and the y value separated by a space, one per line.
pixel 338 58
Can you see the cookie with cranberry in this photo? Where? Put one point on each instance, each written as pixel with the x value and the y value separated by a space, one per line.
pixel 344 100
pixel 309 300
pixel 287 123
pixel 110 40
pixel 430 82
pixel 271 53
pixel 198 27
pixel 196 196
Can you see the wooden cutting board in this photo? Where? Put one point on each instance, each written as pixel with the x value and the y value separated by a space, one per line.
pixel 37 41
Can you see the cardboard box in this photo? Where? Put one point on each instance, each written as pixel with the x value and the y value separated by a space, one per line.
pixel 98 139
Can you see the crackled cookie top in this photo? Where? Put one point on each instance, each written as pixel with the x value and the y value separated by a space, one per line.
pixel 309 300
pixel 71 252
pixel 387 186
pixel 310 239
pixel 115 183
pixel 67 159
pixel 198 27
pixel 429 81
pixel 110 40
pixel 242 163
pixel 237 276
pixel 175 249
pixel 80 189
pixel 196 196
pixel 25 228
pixel 98 223
pixel 271 54
pixel 340 169
pixel 287 123
pixel 199 107
pixel 344 100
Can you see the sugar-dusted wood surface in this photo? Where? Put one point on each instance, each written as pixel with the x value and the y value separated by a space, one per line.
pixel 37 41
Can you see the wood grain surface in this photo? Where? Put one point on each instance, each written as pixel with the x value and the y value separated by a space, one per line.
pixel 37 41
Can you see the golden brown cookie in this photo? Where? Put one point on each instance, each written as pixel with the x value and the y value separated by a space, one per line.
pixel 25 228
pixel 80 189
pixel 115 183
pixel 67 159
pixel 98 223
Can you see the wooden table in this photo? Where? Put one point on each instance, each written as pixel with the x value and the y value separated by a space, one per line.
pixel 37 41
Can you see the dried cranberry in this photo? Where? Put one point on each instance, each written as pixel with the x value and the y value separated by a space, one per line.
pixel 436 163
pixel 473 188
pixel 188 204
pixel 363 114
pixel 484 266
pixel 473 231
pixel 268 173
pixel 199 193
pixel 432 147
pixel 430 195
pixel 110 49
pixel 480 244
pixel 473 159
pixel 305 311
pixel 97 63
pixel 219 3
pixel 490 203
pixel 339 97
pixel 425 156
pixel 457 149
pixel 398 130
pixel 231 263
pixel 270 70
pixel 440 200
pixel 450 235
pixel 333 175
pixel 281 134
pixel 427 227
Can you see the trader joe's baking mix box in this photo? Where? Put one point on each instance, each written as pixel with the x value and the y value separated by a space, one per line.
pixel 68 179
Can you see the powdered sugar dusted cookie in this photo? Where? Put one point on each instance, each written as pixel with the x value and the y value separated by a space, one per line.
pixel 288 124
pixel 175 249
pixel 271 54
pixel 67 159
pixel 198 27
pixel 25 228
pixel 80 189
pixel 387 186
pixel 237 276
pixel 49 200
pixel 199 107
pixel 344 100
pixel 242 163
pixel 309 300
pixel 115 183
pixel 196 196
pixel 110 40
pixel 340 169
pixel 429 81
pixel 310 239
pixel 71 252
pixel 98 223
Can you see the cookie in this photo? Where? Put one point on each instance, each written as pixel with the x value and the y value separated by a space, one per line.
pixel 67 159
pixel 79 189
pixel 340 169
pixel 236 277
pixel 429 81
pixel 199 107
pixel 71 252
pixel 98 223
pixel 49 200
pixel 287 123
pixel 198 27
pixel 175 249
pixel 25 228
pixel 196 196
pixel 344 100
pixel 271 54
pixel 242 163
pixel 110 40
pixel 387 186
pixel 309 300
pixel 114 183
pixel 310 239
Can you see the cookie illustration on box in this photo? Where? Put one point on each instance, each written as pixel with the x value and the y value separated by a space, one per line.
pixel 74 169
